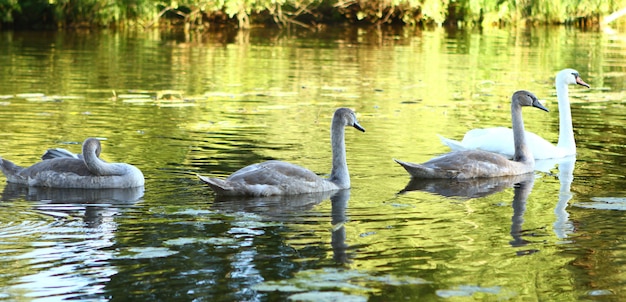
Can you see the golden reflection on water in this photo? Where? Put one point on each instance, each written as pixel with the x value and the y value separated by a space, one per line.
pixel 246 98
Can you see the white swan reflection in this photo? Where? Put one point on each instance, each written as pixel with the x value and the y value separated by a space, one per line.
pixel 562 225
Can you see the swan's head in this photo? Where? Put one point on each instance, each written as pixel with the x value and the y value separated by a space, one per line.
pixel 348 118
pixel 92 145
pixel 527 98
pixel 570 77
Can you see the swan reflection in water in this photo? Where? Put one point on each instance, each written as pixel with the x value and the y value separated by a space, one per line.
pixel 465 188
pixel 481 187
pixel 98 204
pixel 338 219
pixel 521 190
pixel 523 184
pixel 277 207
pixel 562 225
pixel 286 207
pixel 473 188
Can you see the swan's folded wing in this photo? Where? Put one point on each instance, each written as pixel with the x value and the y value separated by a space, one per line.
pixel 462 165
pixel 59 153
pixel 473 163
pixel 270 178
pixel 273 173
pixel 423 171
pixel 58 165
pixel 218 185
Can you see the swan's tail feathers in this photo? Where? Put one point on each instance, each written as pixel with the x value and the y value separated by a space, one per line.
pixel 218 185
pixel 10 170
pixel 416 170
pixel 56 153
pixel 453 144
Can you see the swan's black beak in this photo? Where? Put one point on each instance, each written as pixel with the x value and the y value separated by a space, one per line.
pixel 580 82
pixel 358 127
pixel 537 104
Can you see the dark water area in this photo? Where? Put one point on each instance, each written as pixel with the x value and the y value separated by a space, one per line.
pixel 178 105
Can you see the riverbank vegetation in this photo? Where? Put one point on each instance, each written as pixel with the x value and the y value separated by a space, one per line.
pixel 202 14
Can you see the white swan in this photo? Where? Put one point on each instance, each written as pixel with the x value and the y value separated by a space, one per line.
pixel 500 139
pixel 466 164
pixel 87 172
pixel 281 178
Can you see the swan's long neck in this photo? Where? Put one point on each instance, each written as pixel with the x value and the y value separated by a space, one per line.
pixel 522 154
pixel 339 174
pixel 98 166
pixel 566 131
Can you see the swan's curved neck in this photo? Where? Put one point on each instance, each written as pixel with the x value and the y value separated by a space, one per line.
pixel 99 167
pixel 522 154
pixel 566 131
pixel 339 174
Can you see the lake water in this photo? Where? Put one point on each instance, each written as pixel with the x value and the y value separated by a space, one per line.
pixel 176 105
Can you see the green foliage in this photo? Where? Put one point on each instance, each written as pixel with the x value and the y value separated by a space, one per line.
pixel 302 12
pixel 87 12
pixel 6 10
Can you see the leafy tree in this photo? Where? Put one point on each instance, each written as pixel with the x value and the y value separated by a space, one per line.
pixel 306 13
